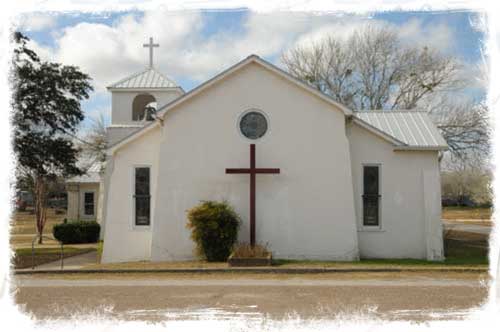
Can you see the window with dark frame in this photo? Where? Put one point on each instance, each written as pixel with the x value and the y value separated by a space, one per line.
pixel 88 203
pixel 142 196
pixel 371 196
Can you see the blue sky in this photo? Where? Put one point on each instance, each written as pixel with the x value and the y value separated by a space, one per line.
pixel 196 45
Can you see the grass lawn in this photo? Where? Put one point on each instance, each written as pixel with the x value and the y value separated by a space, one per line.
pixel 460 255
pixel 464 212
pixel 22 256
pixel 463 249
pixel 23 230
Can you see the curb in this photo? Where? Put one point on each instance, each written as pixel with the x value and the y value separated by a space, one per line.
pixel 251 270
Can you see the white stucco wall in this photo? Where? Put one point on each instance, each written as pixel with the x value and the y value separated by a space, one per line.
pixel 404 214
pixel 121 103
pixel 73 201
pixel 123 240
pixel 307 211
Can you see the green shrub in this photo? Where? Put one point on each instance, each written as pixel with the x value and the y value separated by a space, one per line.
pixel 77 232
pixel 214 229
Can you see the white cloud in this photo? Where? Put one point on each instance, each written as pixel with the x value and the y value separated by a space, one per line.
pixel 109 53
pixel 37 21
pixel 438 36
pixel 413 32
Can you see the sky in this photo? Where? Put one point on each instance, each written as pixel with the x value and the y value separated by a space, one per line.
pixel 196 45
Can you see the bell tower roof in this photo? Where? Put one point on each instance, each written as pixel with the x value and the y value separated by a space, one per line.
pixel 146 79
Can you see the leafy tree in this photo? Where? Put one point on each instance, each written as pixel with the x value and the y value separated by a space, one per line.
pixel 46 103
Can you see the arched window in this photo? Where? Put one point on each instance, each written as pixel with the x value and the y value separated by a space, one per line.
pixel 140 104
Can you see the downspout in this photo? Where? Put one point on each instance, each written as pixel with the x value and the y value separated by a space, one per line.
pixel 79 207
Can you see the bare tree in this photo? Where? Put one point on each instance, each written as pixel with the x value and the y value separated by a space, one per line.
pixel 93 144
pixel 374 70
pixel 468 183
pixel 466 128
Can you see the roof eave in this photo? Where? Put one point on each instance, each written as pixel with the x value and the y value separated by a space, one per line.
pixel 114 89
pixel 265 64
pixel 200 88
pixel 421 148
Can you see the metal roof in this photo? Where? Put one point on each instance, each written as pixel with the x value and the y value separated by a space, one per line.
pixel 414 129
pixel 92 175
pixel 149 78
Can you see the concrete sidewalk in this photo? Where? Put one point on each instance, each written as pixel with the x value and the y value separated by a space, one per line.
pixel 471 228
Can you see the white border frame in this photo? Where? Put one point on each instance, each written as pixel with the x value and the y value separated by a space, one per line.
pixel 133 225
pixel 245 112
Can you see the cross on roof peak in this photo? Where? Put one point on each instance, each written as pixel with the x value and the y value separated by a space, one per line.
pixel 150 45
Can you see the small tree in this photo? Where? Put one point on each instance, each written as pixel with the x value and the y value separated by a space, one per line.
pixel 46 103
pixel 214 229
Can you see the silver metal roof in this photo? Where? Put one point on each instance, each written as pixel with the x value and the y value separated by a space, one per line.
pixel 92 175
pixel 414 129
pixel 149 78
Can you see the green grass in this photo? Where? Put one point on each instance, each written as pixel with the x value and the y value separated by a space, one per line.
pixel 459 254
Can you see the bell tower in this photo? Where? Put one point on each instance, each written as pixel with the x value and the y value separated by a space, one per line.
pixel 134 97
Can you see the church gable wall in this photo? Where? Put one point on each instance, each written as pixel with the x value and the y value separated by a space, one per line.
pixel 306 211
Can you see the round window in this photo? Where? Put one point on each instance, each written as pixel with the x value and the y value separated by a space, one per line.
pixel 253 125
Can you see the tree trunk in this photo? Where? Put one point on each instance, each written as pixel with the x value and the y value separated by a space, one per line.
pixel 40 206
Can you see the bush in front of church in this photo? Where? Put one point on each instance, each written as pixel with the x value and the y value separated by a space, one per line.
pixel 214 228
pixel 77 232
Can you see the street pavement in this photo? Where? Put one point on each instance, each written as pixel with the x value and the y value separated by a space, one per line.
pixel 464 227
pixel 392 296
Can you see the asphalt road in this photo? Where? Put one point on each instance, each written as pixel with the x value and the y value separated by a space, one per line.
pixel 306 297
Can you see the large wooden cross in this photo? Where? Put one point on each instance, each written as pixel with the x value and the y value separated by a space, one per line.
pixel 150 46
pixel 252 171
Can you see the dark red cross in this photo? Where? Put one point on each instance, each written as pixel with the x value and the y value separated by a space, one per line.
pixel 252 171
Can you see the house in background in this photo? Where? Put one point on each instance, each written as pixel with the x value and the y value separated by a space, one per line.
pixel 84 194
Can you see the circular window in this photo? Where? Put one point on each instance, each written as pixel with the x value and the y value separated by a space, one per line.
pixel 253 125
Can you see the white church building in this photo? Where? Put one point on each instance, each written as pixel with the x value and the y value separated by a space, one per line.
pixel 348 184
